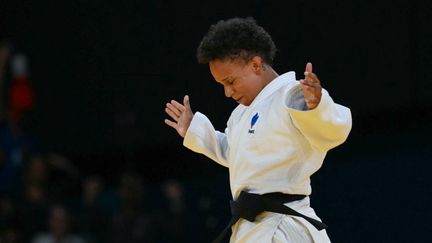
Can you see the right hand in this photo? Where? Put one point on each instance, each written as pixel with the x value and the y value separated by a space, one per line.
pixel 181 114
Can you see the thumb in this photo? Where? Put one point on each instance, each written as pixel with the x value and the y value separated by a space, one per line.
pixel 308 67
pixel 186 102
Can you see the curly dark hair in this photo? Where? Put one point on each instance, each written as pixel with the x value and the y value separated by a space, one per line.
pixel 236 37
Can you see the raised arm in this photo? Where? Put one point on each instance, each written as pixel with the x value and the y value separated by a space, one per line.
pixel 324 123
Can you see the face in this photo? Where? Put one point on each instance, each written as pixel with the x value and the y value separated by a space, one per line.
pixel 241 80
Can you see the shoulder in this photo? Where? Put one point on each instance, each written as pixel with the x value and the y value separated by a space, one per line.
pixel 290 93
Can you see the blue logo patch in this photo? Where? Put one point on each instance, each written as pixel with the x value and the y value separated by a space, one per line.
pixel 253 122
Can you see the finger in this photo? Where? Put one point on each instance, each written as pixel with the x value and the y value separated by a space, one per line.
pixel 311 106
pixel 312 100
pixel 174 109
pixel 310 83
pixel 171 123
pixel 309 90
pixel 178 105
pixel 311 79
pixel 172 114
pixel 312 76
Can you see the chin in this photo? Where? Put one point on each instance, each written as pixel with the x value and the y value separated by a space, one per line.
pixel 244 103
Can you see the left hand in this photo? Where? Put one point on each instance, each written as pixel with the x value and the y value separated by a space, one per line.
pixel 311 88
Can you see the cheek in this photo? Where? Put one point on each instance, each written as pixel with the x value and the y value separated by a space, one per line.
pixel 239 88
pixel 249 84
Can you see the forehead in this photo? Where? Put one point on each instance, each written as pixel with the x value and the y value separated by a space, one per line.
pixel 221 69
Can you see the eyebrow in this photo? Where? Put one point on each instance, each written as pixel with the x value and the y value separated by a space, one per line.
pixel 226 79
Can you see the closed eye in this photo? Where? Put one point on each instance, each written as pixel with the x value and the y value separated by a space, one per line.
pixel 228 80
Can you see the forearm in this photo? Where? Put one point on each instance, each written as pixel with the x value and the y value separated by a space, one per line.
pixel 326 126
pixel 201 137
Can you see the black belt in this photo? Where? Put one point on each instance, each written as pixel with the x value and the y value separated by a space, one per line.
pixel 249 205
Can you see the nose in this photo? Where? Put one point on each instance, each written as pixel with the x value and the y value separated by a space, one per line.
pixel 228 91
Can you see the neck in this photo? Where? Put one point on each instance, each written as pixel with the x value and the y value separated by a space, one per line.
pixel 269 74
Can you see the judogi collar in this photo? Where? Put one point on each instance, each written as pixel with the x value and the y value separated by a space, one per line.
pixel 274 85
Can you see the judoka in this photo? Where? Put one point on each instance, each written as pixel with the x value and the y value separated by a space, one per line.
pixel 274 140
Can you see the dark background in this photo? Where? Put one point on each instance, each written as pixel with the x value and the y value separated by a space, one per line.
pixel 102 72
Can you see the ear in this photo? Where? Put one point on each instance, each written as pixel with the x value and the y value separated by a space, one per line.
pixel 257 64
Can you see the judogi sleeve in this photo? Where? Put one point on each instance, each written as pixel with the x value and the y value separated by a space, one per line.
pixel 326 126
pixel 202 138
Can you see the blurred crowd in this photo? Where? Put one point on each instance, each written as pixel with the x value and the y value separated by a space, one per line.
pixel 45 197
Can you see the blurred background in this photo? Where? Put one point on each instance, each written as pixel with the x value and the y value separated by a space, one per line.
pixel 85 154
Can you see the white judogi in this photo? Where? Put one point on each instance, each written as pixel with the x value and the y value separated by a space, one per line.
pixel 274 145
